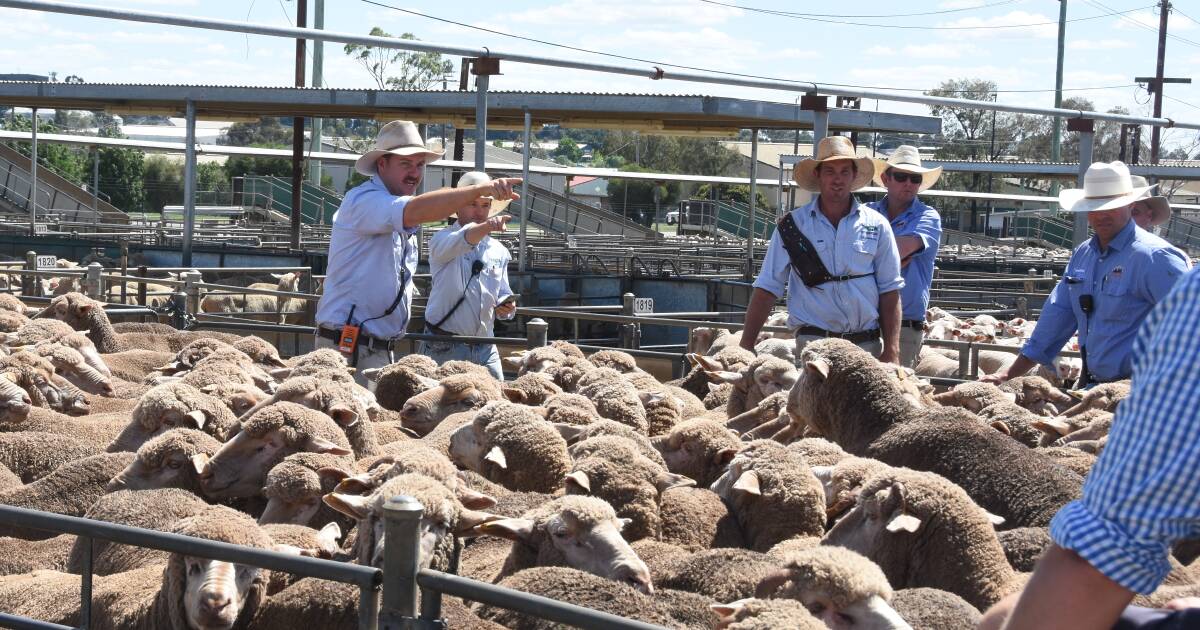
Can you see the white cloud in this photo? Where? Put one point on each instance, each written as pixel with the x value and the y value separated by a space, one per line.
pixel 652 13
pixel 1008 25
pixel 162 3
pixel 794 53
pixel 1099 44
pixel 879 51
pixel 934 51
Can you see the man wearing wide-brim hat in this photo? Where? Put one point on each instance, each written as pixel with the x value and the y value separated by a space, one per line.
pixel 918 231
pixel 836 259
pixel 1110 284
pixel 1152 210
pixel 372 252
pixel 470 281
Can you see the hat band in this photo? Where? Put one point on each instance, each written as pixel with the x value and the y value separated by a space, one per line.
pixel 1116 196
pixel 403 146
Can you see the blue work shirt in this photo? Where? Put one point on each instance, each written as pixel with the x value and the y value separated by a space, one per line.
pixel 1125 281
pixel 925 223
pixel 862 243
pixel 370 254
pixel 450 260
pixel 1141 497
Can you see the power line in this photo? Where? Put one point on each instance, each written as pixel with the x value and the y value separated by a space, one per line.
pixel 698 69
pixel 1181 101
pixel 803 17
pixel 894 15
pixel 1146 27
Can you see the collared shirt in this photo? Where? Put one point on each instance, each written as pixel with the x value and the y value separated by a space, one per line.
pixel 862 243
pixel 370 254
pixel 450 260
pixel 1143 494
pixel 925 223
pixel 1125 282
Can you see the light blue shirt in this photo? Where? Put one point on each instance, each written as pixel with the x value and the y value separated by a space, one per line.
pixel 923 222
pixel 370 251
pixel 1142 495
pixel 450 260
pixel 862 243
pixel 1125 282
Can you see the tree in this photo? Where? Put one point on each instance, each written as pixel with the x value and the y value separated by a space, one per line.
pixel 635 198
pixel 417 70
pixel 267 133
pixel 567 152
pixel 122 173
pixel 211 176
pixel 163 181
pixel 66 161
pixel 732 192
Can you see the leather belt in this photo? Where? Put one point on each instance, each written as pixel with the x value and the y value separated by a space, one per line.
pixel 365 341
pixel 915 324
pixel 852 337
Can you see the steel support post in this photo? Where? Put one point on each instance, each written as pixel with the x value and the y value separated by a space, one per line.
pixel 481 90
pixel 96 178
pixel 753 191
pixel 189 182
pixel 1087 133
pixel 318 79
pixel 33 178
pixel 525 200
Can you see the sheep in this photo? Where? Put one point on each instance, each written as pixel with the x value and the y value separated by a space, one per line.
pixel 615 472
pixel 452 394
pixel 531 389
pixel 238 397
pixel 173 459
pixel 1024 545
pixel 764 376
pixel 568 373
pixel 819 451
pixel 226 365
pixel 934 609
pixel 1087 425
pixel 413 456
pixel 570 409
pixel 8 479
pixel 974 395
pixel 615 398
pixel 70 363
pixel 699 449
pixel 440 437
pixel 768 411
pixel 923 530
pixel 84 313
pixel 844 480
pixel 1073 459
pixel 38 331
pixel 134 366
pixel 94 432
pixel 876 421
pixel 696 519
pixel 1015 421
pixel 1036 394
pixel 937 365
pixel 1104 396
pixel 622 362
pixel 773 493
pixel 294 488
pixel 12 321
pixel 779 348
pixel 191 354
pixel 512 446
pixel 240 467
pixel 581 589
pixel 174 405
pixel 335 400
pixel 18 555
pixel 69 490
pixel 536 360
pixel 696 381
pixel 189 592
pixel 148 509
pixel 575 434
pixel 575 531
pixel 758 614
pixel 31 455
pixel 689 610
pixel 310 363
pixel 835 584
pixel 722 574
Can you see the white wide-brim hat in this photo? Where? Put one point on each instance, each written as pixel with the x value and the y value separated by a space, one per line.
pixel 399 137
pixel 907 158
pixel 1160 208
pixel 832 148
pixel 472 178
pixel 1106 186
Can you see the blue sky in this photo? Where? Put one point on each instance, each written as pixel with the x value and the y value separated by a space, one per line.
pixel 1102 52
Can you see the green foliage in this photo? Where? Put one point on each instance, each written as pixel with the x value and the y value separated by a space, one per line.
pixel 268 133
pixel 635 198
pixel 417 70
pixel 242 165
pixel 568 152
pixel 731 192
pixel 122 173
pixel 211 176
pixel 163 182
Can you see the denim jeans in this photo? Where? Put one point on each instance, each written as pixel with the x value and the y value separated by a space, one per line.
pixel 484 354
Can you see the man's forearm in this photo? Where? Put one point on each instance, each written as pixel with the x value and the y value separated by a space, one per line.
pixel 756 313
pixel 1066 592
pixel 889 322
pixel 436 205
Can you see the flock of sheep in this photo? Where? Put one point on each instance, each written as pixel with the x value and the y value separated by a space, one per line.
pixel 759 491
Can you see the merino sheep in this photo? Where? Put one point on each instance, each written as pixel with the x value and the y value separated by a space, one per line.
pixel 1104 396
pixel 1024 545
pixel 1037 394
pixel 844 480
pixel 335 400
pixel 974 395
pixel 1015 421
pixel 773 493
pixel 174 459
pixel 453 394
pixel 581 589
pixel 575 434
pixel 174 405
pixel 934 609
pixel 70 490
pixel 759 614
pixel 570 409
pixel 615 398
pixel 700 449
pixel 722 574
pixel 876 421
pixel 531 389
pixel 148 509
pixel 511 445
pixel 538 359
pixel 764 376
pixel 835 584
pixel 32 455
pixel 697 519
pixel 294 488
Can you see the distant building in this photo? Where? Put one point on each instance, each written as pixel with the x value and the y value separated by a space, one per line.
pixel 590 190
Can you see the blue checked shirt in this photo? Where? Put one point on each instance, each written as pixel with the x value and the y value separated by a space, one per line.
pixel 862 243
pixel 925 223
pixel 1143 494
pixel 1125 282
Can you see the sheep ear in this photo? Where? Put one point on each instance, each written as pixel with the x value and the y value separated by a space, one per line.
pixel 277 276
pixel 726 611
pixel 649 398
pixel 708 364
pixel 624 522
pixel 351 505
pixel 473 499
pixel 198 417
pixel 1052 426
pixel 516 529
pixel 470 520
pixel 580 479
pixel 329 536
pixel 515 395
pixel 372 374
pixel 515 361
pixel 995 519
pixel 818 367
pixel 905 522
pixel 343 415
pixel 668 480
pixel 568 431
pixel 726 455
pixel 748 483
pixel 281 374
pixel 1001 427
pixel 355 484
pixel 333 472
pixel 824 474
pixel 1077 394
pixel 496 456
pixel 723 376
pixel 428 383
pixel 198 462
pixel 316 444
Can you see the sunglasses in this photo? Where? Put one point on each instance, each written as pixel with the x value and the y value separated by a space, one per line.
pixel 905 177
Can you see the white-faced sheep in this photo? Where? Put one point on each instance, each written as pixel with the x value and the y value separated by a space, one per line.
pixel 174 405
pixel 697 519
pixel 512 446
pixel 773 493
pixel 531 389
pixel 581 589
pixel 934 609
pixel 845 395
pixel 453 394
pixel 699 449
pixel 1104 396
pixel 294 488
pixel 760 614
pixel 149 509
pixel 335 400
pixel 174 459
pixel 764 376
pixel 538 359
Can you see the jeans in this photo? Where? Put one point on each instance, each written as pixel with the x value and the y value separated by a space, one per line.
pixel 484 354
pixel 910 346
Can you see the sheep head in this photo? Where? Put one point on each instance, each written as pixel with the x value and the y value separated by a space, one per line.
pixel 699 449
pixel 836 585
pixel 453 394
pixel 15 402
pixel 174 459
pixel 205 593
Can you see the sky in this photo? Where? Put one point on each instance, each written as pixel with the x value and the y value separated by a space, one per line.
pixel 1104 52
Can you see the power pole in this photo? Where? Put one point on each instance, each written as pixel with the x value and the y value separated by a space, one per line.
pixel 1056 143
pixel 318 80
pixel 1155 84
pixel 298 131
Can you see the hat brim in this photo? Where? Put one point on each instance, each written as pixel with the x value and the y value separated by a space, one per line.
pixel 498 207
pixel 929 176
pixel 1074 200
pixel 365 165
pixel 1160 209
pixel 805 173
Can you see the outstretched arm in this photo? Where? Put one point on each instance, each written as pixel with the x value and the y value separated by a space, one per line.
pixel 436 205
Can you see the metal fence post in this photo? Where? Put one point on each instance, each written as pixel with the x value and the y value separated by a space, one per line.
pixel 1031 284
pixel 179 310
pixel 536 333
pixel 964 361
pixel 630 333
pixel 192 279
pixel 30 284
pixel 141 290
pixel 401 560
pixel 94 283
pixel 1022 307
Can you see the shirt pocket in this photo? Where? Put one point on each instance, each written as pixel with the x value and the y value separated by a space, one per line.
pixel 1115 303
pixel 862 256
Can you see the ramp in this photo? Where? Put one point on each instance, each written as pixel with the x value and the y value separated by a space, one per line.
pixel 58 198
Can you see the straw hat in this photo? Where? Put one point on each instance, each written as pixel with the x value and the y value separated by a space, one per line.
pixel 1160 208
pixel 399 137
pixel 833 148
pixel 1106 186
pixel 907 159
pixel 472 178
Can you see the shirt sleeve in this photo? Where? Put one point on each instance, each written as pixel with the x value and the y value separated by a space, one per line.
pixel 773 276
pixel 505 289
pixel 887 261
pixel 377 212
pixel 1054 327
pixel 449 243
pixel 1166 266
pixel 929 229
pixel 1141 496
